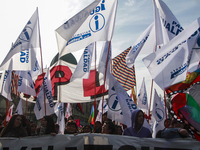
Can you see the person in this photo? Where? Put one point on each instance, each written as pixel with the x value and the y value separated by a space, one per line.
pixel 57 127
pixel 119 130
pixel 137 129
pixel 33 128
pixel 108 128
pixel 47 126
pixel 97 127
pixel 86 129
pixel 14 128
pixel 71 127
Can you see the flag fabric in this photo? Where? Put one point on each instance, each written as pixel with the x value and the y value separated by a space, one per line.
pixel 83 67
pixel 68 111
pixel 19 109
pixel 103 60
pixel 138 45
pixel 14 84
pixel 105 109
pixel 77 122
pixel 79 108
pixel 5 84
pixel 142 101
pixel 122 73
pixel 94 23
pixel 166 24
pixel 39 108
pixel 59 111
pixel 169 65
pixel 9 115
pixel 158 112
pixel 22 55
pixel 91 119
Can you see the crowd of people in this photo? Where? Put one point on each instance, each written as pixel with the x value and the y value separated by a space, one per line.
pixel 19 126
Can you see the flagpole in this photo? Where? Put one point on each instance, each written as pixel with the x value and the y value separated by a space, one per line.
pixel 165 109
pixel 95 110
pixel 41 63
pixel 104 82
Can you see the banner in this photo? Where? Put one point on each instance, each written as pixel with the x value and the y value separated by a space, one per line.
pixel 90 141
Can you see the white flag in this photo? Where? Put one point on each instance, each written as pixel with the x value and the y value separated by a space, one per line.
pixel 103 60
pixel 68 111
pixel 98 117
pixel 138 45
pixel 39 108
pixel 158 112
pixel 94 23
pixel 22 55
pixel 169 65
pixel 83 67
pixel 59 111
pixel 26 85
pixel 9 115
pixel 105 106
pixel 166 24
pixel 5 84
pixel 142 98
pixel 19 109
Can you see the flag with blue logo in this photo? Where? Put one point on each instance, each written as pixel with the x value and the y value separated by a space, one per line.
pixel 19 109
pixel 83 67
pixel 105 109
pixel 142 98
pixel 39 108
pixel 59 111
pixel 158 112
pixel 22 55
pixel 94 23
pixel 169 65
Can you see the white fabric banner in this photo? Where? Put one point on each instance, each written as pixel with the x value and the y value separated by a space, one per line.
pixel 94 23
pixel 166 24
pixel 142 101
pixel 83 67
pixel 5 84
pixel 137 46
pixel 19 109
pixel 22 55
pixel 90 141
pixel 158 112
pixel 169 65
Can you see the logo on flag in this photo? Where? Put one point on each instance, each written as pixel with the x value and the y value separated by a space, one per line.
pixel 159 114
pixel 97 22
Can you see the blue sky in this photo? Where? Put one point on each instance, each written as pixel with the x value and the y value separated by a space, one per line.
pixel 133 17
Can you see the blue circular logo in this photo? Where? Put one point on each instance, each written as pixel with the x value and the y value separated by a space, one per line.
pixel 159 115
pixel 25 34
pixel 113 103
pixel 97 22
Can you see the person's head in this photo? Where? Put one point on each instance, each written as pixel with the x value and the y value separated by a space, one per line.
pixel 97 124
pixel 87 129
pixel 57 126
pixel 33 127
pixel 137 119
pixel 119 130
pixel 105 117
pixel 71 127
pixel 70 118
pixel 48 122
pixel 108 128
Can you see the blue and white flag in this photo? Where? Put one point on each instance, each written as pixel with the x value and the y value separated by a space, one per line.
pixel 5 84
pixel 39 108
pixel 105 109
pixel 59 111
pixel 169 65
pixel 19 109
pixel 83 67
pixel 142 98
pixel 137 46
pixel 158 112
pixel 22 55
pixel 94 23
pixel 166 24
pixel 103 60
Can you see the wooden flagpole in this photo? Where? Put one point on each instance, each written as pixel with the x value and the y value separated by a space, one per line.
pixel 95 102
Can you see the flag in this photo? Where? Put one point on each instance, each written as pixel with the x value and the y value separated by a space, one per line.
pixel 122 73
pixel 103 60
pixel 91 119
pixel 166 24
pixel 142 98
pixel 105 109
pixel 9 115
pixel 5 84
pixel 158 112
pixel 169 65
pixel 77 122
pixel 59 111
pixel 39 108
pixel 93 23
pixel 14 84
pixel 22 55
pixel 19 109
pixel 138 45
pixel 68 111
pixel 79 108
pixel 83 67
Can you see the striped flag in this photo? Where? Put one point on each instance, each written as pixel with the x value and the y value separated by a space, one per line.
pixel 91 119
pixel 122 73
